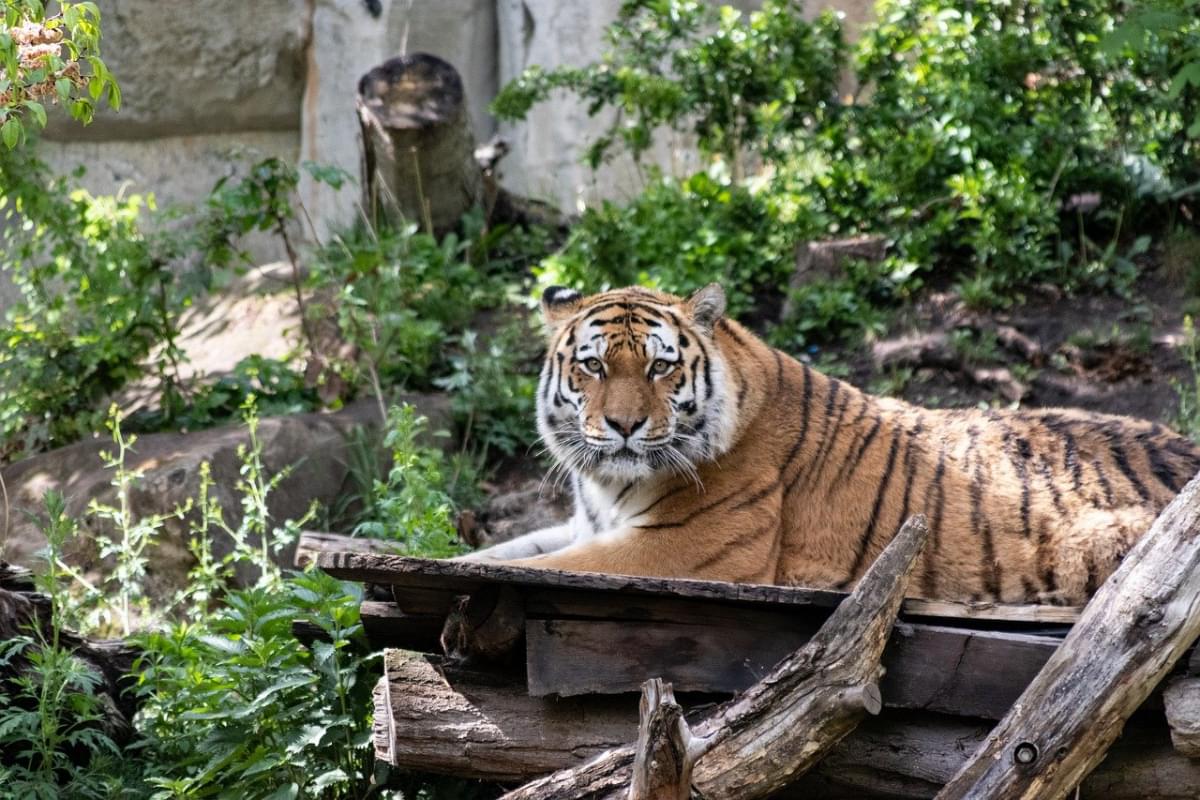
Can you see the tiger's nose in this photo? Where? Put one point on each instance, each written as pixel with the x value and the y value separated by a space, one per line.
pixel 626 427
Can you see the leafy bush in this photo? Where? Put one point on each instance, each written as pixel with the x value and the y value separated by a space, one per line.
pixel 734 82
pixel 994 144
pixel 678 237
pixel 52 738
pixel 51 58
pixel 233 701
pixel 414 503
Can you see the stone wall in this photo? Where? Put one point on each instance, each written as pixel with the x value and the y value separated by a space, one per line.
pixel 208 86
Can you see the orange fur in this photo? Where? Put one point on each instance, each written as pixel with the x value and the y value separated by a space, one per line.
pixel 804 479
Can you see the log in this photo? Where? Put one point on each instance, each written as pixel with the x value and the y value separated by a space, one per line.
pixel 1143 618
pixel 1181 699
pixel 666 750
pixel 784 724
pixel 418 149
pixel 26 612
pixel 435 717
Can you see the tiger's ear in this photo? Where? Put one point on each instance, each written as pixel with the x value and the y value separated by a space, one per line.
pixel 558 304
pixel 706 306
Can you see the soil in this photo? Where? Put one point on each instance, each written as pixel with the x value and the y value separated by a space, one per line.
pixel 1096 352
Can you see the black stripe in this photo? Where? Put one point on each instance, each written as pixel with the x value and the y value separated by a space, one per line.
pixel 1071 460
pixel 1158 465
pixel 778 372
pixel 938 489
pixel 621 494
pixel 989 568
pixel 849 465
pixel 1047 473
pixel 805 402
pixel 1046 560
pixel 830 399
pixel 735 543
pixel 1122 461
pixel 754 498
pixel 661 498
pixel 1104 484
pixel 822 456
pixel 886 478
pixel 725 326
pixel 1093 573
pixel 695 513
pixel 1018 454
pixel 909 471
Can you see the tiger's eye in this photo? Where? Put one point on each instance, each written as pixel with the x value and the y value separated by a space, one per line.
pixel 661 367
pixel 593 364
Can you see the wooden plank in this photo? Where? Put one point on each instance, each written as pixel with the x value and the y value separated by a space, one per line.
pixel 457 577
pixel 951 670
pixel 462 577
pixel 313 543
pixel 991 612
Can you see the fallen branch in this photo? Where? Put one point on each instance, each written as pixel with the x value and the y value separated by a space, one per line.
pixel 1130 635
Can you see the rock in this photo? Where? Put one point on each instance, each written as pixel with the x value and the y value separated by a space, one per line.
pixel 315 446
pixel 226 65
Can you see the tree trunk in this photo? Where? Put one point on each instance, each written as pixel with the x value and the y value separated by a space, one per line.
pixel 1130 635
pixel 418 149
pixel 784 724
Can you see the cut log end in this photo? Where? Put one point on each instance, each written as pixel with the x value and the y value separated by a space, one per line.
pixel 412 92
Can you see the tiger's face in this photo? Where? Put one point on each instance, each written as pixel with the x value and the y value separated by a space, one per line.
pixel 633 382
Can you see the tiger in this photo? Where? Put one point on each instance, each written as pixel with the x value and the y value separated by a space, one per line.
pixel 695 450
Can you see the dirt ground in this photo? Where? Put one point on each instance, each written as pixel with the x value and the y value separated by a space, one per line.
pixel 1099 352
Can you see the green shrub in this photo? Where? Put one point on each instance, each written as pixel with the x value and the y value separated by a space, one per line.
pixel 678 237
pixel 234 701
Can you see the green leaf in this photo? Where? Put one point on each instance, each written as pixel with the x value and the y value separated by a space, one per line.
pixel 1189 73
pixel 39 111
pixel 285 792
pixel 10 132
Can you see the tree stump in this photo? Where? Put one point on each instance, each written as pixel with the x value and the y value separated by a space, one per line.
pixel 1130 635
pixel 418 149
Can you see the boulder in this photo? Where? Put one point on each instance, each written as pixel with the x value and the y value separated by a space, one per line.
pixel 223 65
pixel 315 446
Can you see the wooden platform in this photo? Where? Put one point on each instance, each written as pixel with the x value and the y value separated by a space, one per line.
pixel 603 634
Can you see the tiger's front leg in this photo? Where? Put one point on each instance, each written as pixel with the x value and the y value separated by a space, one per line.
pixel 714 553
pixel 546 540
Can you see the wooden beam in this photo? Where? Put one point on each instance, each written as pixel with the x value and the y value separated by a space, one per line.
pixel 951 670
pixel 313 543
pixel 781 726
pixel 1143 618
pixel 463 577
